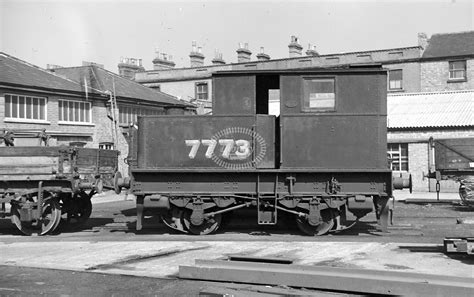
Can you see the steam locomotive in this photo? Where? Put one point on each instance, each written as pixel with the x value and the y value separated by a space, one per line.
pixel 322 159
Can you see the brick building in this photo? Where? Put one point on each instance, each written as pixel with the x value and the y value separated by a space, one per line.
pixel 434 68
pixel 414 118
pixel 424 67
pixel 73 105
pixel 194 83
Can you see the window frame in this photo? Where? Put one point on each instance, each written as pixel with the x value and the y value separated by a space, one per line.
pixel 131 112
pixel 464 70
pixel 197 93
pixel 40 111
pixel 401 80
pixel 365 58
pixel 308 109
pixel 402 159
pixel 106 146
pixel 74 122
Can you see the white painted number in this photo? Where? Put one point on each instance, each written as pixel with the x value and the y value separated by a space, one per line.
pixel 228 146
pixel 242 148
pixel 194 144
pixel 211 145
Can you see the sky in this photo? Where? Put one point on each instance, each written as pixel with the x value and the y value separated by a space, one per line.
pixel 68 32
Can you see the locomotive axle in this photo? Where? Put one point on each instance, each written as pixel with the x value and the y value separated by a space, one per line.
pixel 313 215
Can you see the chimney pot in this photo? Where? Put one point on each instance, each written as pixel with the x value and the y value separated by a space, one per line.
pixel 262 56
pixel 311 50
pixel 423 40
pixel 128 67
pixel 196 56
pixel 162 61
pixel 243 53
pixel 295 48
pixel 217 58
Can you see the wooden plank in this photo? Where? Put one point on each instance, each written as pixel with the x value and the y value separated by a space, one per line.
pixel 330 278
pixel 30 151
pixel 26 170
pixel 28 160
pixel 28 165
pixel 27 177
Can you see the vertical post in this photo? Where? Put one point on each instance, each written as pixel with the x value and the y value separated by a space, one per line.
pixel 438 188
pixel 113 104
pixel 438 185
pixel 40 201
pixel 140 210
pixel 382 212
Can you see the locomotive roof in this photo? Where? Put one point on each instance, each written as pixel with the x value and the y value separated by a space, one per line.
pixel 346 69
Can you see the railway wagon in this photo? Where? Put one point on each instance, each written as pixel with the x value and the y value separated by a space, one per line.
pixel 322 159
pixel 453 159
pixel 42 183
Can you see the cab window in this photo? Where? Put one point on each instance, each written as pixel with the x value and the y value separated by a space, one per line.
pixel 319 95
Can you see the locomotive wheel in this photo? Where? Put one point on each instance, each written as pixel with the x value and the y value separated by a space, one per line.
pixel 324 227
pixel 51 217
pixel 466 190
pixel 172 219
pixel 341 221
pixel 81 210
pixel 209 225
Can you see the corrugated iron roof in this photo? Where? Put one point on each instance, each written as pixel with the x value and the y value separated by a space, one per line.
pixel 431 109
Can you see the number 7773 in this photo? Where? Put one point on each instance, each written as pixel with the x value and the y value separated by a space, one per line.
pixel 239 148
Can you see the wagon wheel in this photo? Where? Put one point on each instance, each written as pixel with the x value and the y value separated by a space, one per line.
pixel 320 229
pixel 81 210
pixel 172 219
pixel 341 223
pixel 209 225
pixel 50 218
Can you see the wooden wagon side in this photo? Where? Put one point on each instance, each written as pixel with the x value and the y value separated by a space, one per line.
pixel 43 183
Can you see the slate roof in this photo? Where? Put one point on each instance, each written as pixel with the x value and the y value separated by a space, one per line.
pixel 450 44
pixel 104 80
pixel 16 72
pixel 431 110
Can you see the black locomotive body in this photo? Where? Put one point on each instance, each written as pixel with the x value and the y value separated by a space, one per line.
pixel 322 159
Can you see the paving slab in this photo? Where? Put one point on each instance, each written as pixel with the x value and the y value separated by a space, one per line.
pixel 110 196
pixel 162 259
pixel 405 195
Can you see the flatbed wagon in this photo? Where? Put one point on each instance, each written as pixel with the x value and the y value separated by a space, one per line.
pixel 453 159
pixel 43 183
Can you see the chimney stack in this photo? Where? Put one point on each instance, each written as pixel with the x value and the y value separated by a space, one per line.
pixel 197 58
pixel 311 51
pixel 243 53
pixel 262 56
pixel 295 47
pixel 163 61
pixel 129 66
pixel 423 40
pixel 218 58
